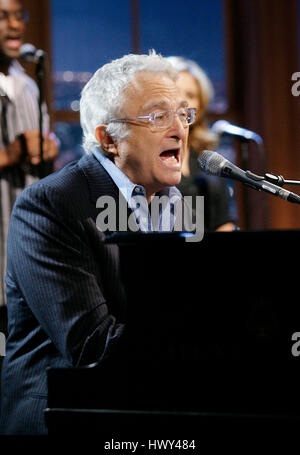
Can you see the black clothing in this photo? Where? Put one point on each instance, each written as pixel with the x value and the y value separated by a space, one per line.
pixel 215 191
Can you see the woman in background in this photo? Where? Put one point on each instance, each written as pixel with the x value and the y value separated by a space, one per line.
pixel 198 91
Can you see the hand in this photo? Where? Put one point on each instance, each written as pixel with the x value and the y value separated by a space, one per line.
pixel 227 227
pixel 50 148
pixel 11 154
pixel 50 151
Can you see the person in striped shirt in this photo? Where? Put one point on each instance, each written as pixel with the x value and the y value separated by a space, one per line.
pixel 19 127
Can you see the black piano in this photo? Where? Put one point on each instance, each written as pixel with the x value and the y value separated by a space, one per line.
pixel 208 346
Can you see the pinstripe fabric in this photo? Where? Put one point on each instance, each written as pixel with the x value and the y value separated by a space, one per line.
pixel 22 115
pixel 65 302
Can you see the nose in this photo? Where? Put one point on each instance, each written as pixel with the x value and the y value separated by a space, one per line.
pixel 13 22
pixel 177 129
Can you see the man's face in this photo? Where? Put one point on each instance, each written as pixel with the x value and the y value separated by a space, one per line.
pixel 11 29
pixel 148 156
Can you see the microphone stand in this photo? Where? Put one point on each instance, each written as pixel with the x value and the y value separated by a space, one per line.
pixel 244 148
pixel 279 180
pixel 274 179
pixel 40 76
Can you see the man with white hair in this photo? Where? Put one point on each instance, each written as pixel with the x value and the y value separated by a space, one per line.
pixel 66 303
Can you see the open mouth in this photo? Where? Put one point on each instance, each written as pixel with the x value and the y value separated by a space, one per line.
pixel 170 156
pixel 13 42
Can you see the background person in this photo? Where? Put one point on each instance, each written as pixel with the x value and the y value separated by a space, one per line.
pixel 198 90
pixel 19 127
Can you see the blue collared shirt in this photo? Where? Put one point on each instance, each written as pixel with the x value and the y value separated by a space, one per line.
pixel 130 190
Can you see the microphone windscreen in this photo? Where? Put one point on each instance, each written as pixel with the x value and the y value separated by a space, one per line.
pixel 27 52
pixel 210 162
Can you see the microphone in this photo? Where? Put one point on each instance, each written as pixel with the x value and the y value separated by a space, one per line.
pixel 29 53
pixel 224 127
pixel 212 163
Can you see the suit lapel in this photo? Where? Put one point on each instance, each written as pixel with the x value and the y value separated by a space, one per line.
pixel 101 184
pixel 99 181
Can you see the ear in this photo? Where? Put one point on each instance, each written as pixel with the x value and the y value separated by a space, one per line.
pixel 107 143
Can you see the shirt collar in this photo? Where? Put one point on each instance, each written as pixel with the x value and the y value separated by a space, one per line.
pixel 7 85
pixel 124 184
pixel 15 68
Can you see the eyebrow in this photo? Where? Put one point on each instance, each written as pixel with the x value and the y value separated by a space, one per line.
pixel 13 10
pixel 162 105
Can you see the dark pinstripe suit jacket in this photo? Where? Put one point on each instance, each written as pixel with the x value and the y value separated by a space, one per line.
pixel 66 304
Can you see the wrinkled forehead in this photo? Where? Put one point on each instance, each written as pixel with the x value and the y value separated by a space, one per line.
pixel 149 90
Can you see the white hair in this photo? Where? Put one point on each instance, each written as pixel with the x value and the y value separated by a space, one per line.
pixel 102 97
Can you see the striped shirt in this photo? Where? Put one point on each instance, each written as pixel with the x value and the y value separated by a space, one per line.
pixel 21 93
